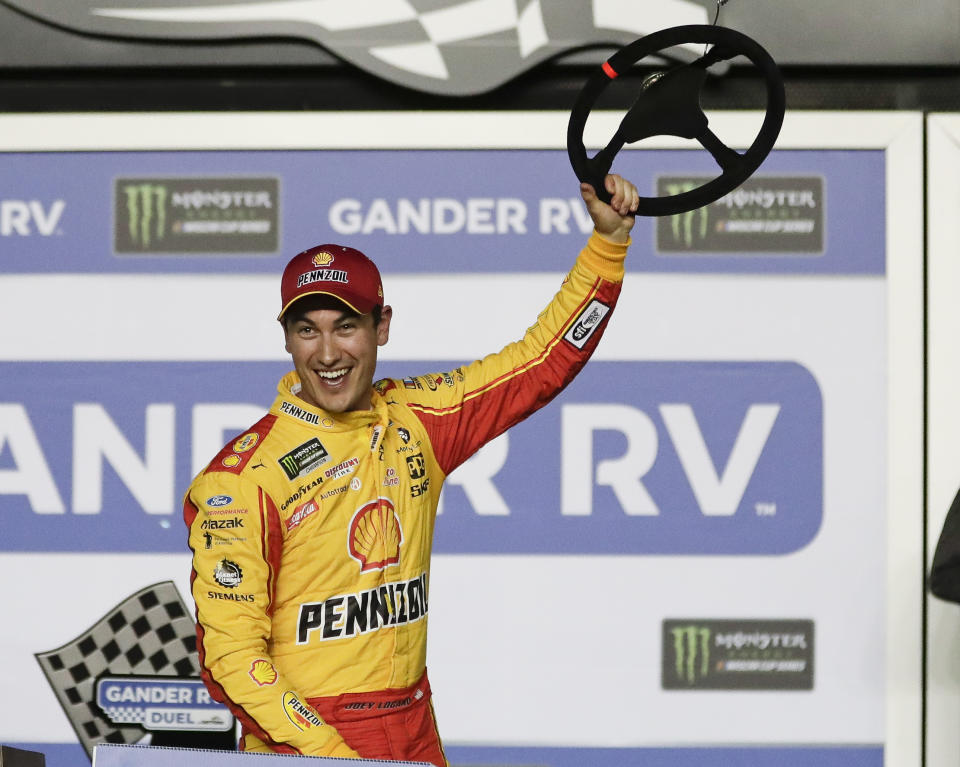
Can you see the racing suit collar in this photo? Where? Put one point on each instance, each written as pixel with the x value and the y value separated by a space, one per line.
pixel 289 405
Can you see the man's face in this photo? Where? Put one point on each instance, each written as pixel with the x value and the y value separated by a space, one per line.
pixel 335 354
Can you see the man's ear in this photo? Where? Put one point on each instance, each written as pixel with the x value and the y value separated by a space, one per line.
pixel 286 337
pixel 383 329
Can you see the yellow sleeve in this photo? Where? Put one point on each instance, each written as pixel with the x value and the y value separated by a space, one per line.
pixel 236 539
pixel 464 408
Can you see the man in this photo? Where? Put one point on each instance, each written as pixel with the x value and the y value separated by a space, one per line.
pixel 311 532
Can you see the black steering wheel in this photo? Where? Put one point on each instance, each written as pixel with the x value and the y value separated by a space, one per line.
pixel 669 105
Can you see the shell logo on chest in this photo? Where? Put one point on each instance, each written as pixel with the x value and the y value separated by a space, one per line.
pixel 374 537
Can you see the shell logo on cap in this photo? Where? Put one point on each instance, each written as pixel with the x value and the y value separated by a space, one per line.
pixel 322 259
pixel 375 536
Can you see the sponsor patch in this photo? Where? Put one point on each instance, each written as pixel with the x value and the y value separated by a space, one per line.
pixel 342 469
pixel 585 325
pixel 230 596
pixel 224 512
pixel 246 442
pixel 300 715
pixel 304 458
pixel 228 574
pixel 348 615
pixel 218 500
pixel 299 413
pixel 375 536
pixel 263 673
pixel 302 490
pixel 301 513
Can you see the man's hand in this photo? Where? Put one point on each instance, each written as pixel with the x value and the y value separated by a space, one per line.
pixel 613 221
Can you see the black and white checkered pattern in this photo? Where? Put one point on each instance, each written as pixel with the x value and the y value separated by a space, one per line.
pixel 151 633
pixel 440 46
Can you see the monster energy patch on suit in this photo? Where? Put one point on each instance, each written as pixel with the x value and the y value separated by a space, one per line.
pixel 304 458
pixel 709 654
pixel 771 214
pixel 196 215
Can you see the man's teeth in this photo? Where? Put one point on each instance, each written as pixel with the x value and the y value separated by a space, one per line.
pixel 330 375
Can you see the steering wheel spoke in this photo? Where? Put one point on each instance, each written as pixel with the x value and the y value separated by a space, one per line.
pixel 728 159
pixel 669 104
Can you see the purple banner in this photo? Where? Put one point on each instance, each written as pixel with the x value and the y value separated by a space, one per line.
pixel 428 211
pixel 633 458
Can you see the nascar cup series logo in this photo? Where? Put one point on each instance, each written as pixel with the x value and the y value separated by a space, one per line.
pixel 730 654
pixel 196 215
pixel 772 214
pixel 375 536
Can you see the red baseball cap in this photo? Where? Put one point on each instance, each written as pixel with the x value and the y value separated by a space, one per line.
pixel 333 270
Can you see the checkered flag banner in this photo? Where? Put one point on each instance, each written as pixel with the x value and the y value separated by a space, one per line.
pixel 151 633
pixel 455 47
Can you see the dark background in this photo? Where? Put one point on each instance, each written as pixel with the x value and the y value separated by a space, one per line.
pixel 44 68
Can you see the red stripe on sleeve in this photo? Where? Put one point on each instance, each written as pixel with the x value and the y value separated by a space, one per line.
pixel 271 543
pixel 458 432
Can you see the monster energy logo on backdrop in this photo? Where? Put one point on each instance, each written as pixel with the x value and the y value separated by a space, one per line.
pixel 720 654
pixel 146 212
pixel 196 215
pixel 691 648
pixel 690 226
pixel 779 214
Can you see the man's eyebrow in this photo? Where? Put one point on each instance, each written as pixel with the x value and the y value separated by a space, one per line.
pixel 344 315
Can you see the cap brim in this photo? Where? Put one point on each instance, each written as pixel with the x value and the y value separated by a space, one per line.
pixel 341 299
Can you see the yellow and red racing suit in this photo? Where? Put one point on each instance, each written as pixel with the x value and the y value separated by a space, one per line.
pixel 311 536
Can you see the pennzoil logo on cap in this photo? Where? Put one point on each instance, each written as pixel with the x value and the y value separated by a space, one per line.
pixel 322 259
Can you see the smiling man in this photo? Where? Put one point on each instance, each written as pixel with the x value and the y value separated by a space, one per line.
pixel 312 611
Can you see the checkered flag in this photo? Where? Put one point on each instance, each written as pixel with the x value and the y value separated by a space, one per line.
pixel 151 633
pixel 456 47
